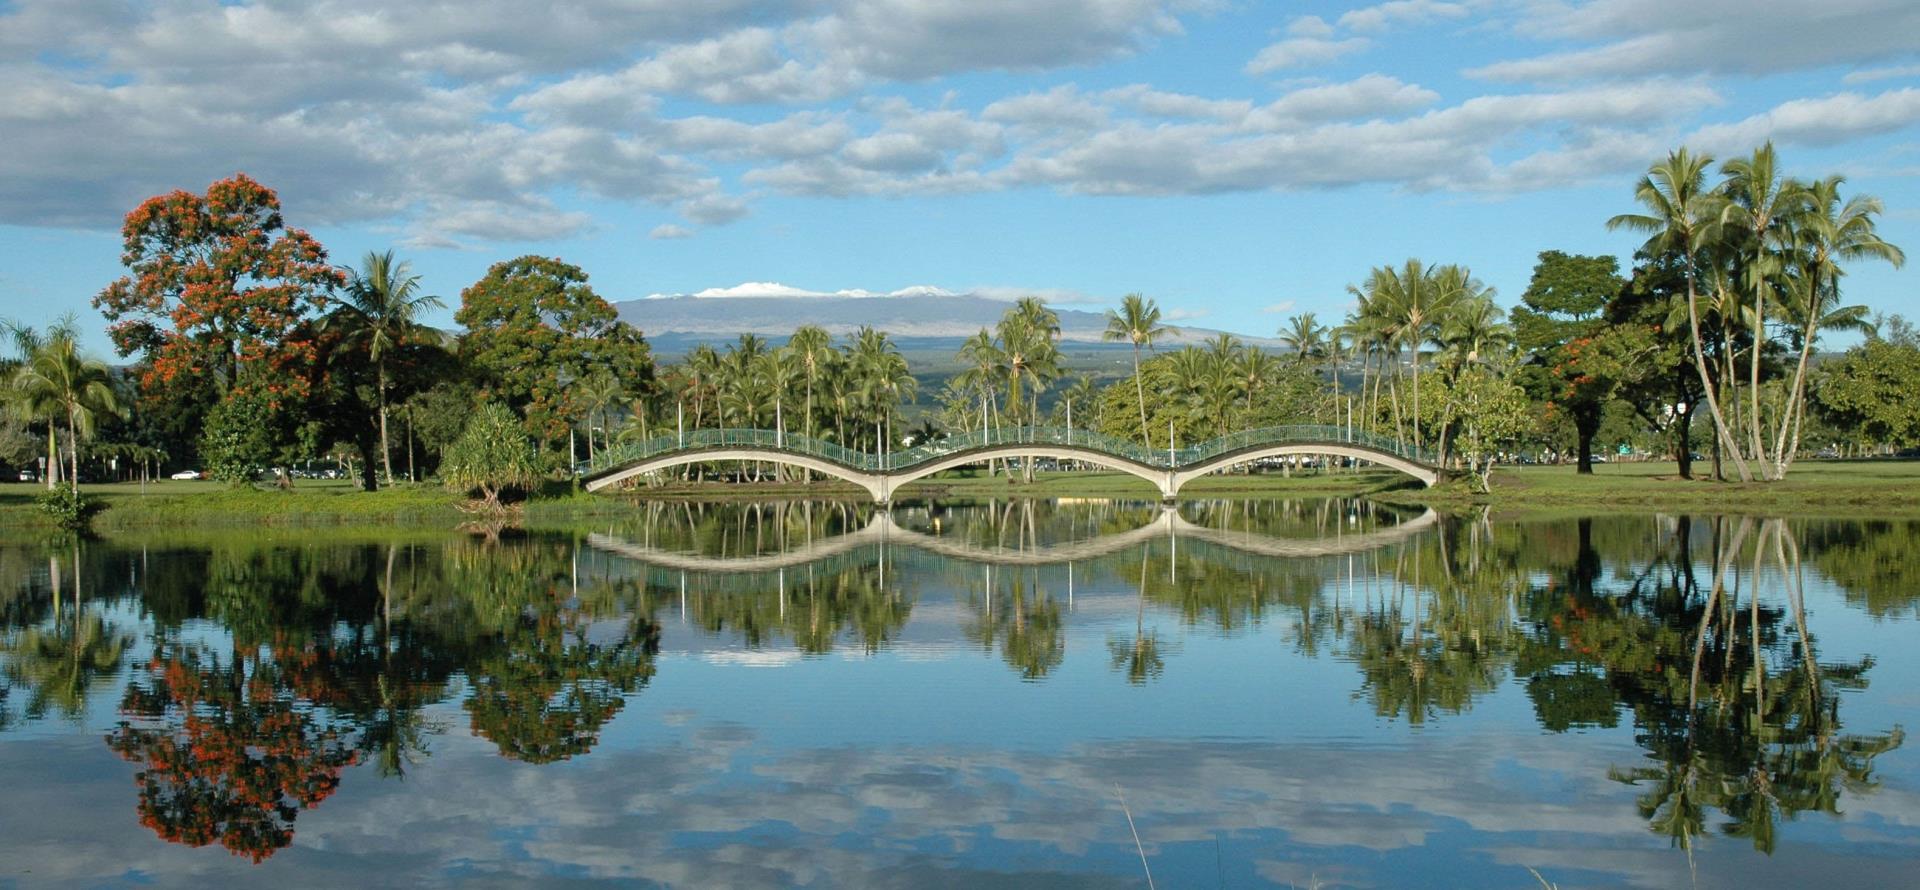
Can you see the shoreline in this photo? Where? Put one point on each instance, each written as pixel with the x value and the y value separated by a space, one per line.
pixel 1886 489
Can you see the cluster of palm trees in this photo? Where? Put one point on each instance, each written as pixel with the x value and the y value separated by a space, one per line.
pixel 850 393
pixel 52 383
pixel 1762 255
pixel 1020 356
pixel 1403 317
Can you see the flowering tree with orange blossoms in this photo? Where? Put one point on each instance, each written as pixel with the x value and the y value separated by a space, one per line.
pixel 218 289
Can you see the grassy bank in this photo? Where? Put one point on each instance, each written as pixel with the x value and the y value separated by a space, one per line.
pixel 1865 489
pixel 1826 488
pixel 174 503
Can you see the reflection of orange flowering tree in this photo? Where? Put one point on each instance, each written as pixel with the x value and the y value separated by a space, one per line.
pixel 228 754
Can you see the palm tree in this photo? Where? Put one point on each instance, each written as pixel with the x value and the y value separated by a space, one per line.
pixel 381 313
pixel 812 347
pixel 1679 221
pixel 57 383
pixel 1026 333
pixel 1827 232
pixel 1306 336
pixel 1084 391
pixel 596 393
pixel 984 360
pixel 26 341
pixel 1759 215
pixel 1412 300
pixel 1138 323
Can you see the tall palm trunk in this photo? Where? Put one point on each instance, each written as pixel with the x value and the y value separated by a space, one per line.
pixel 386 451
pixel 1753 395
pixel 53 456
pixel 1140 392
pixel 73 445
pixel 1722 432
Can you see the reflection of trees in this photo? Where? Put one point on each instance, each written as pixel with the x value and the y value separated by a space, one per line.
pixel 61 662
pixel 228 753
pixel 544 679
pixel 543 690
pixel 1728 698
pixel 59 665
pixel 1870 561
pixel 1023 620
pixel 1139 658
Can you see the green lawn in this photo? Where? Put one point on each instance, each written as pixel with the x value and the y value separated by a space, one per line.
pixel 1880 487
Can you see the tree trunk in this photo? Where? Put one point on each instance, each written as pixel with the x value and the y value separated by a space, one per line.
pixel 1722 434
pixel 1683 453
pixel 73 445
pixel 1140 391
pixel 53 456
pixel 386 459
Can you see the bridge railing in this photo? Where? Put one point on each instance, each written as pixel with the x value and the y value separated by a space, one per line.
pixel 1164 458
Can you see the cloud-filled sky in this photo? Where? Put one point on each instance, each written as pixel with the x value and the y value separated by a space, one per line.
pixel 1223 156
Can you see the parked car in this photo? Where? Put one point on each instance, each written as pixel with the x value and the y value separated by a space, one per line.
pixel 29 476
pixel 186 474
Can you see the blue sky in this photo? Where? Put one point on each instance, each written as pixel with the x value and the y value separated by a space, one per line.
pixel 1237 161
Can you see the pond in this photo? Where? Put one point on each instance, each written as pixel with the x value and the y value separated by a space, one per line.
pixel 1030 693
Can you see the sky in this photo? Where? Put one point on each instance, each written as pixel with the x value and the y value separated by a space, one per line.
pixel 1237 161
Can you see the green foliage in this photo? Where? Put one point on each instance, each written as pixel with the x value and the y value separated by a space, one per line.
pixel 1493 417
pixel 1577 361
pixel 1871 389
pixel 534 328
pixel 69 508
pixel 490 456
pixel 242 437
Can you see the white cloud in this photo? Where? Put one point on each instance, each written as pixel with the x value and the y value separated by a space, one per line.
pixel 1309 26
pixel 669 231
pixel 1377 18
pixel 1872 74
pixel 1277 308
pixel 1184 314
pixel 1637 38
pixel 1301 52
pixel 1824 121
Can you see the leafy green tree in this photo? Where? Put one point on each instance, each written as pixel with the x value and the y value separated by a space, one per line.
pixel 1578 362
pixel 491 455
pixel 534 328
pixel 1871 389
pixel 243 435
pixel 1493 415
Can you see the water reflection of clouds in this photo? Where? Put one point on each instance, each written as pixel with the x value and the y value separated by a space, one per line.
pixel 716 808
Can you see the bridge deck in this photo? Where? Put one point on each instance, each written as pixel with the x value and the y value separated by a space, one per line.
pixel 880 474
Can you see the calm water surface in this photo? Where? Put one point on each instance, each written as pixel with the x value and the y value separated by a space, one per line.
pixel 1026 693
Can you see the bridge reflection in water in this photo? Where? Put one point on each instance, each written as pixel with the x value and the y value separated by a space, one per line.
pixel 882 529
pixel 883 474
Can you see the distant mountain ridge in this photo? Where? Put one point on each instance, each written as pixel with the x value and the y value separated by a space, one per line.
pixel 918 316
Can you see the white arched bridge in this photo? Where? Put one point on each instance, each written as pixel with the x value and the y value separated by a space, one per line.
pixel 883 474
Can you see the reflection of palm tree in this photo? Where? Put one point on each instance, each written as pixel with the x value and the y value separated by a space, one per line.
pixel 396 734
pixel 60 666
pixel 1139 657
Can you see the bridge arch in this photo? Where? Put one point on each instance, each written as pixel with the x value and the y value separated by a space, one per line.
pixel 1427 475
pixel 872 482
pixel 881 484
